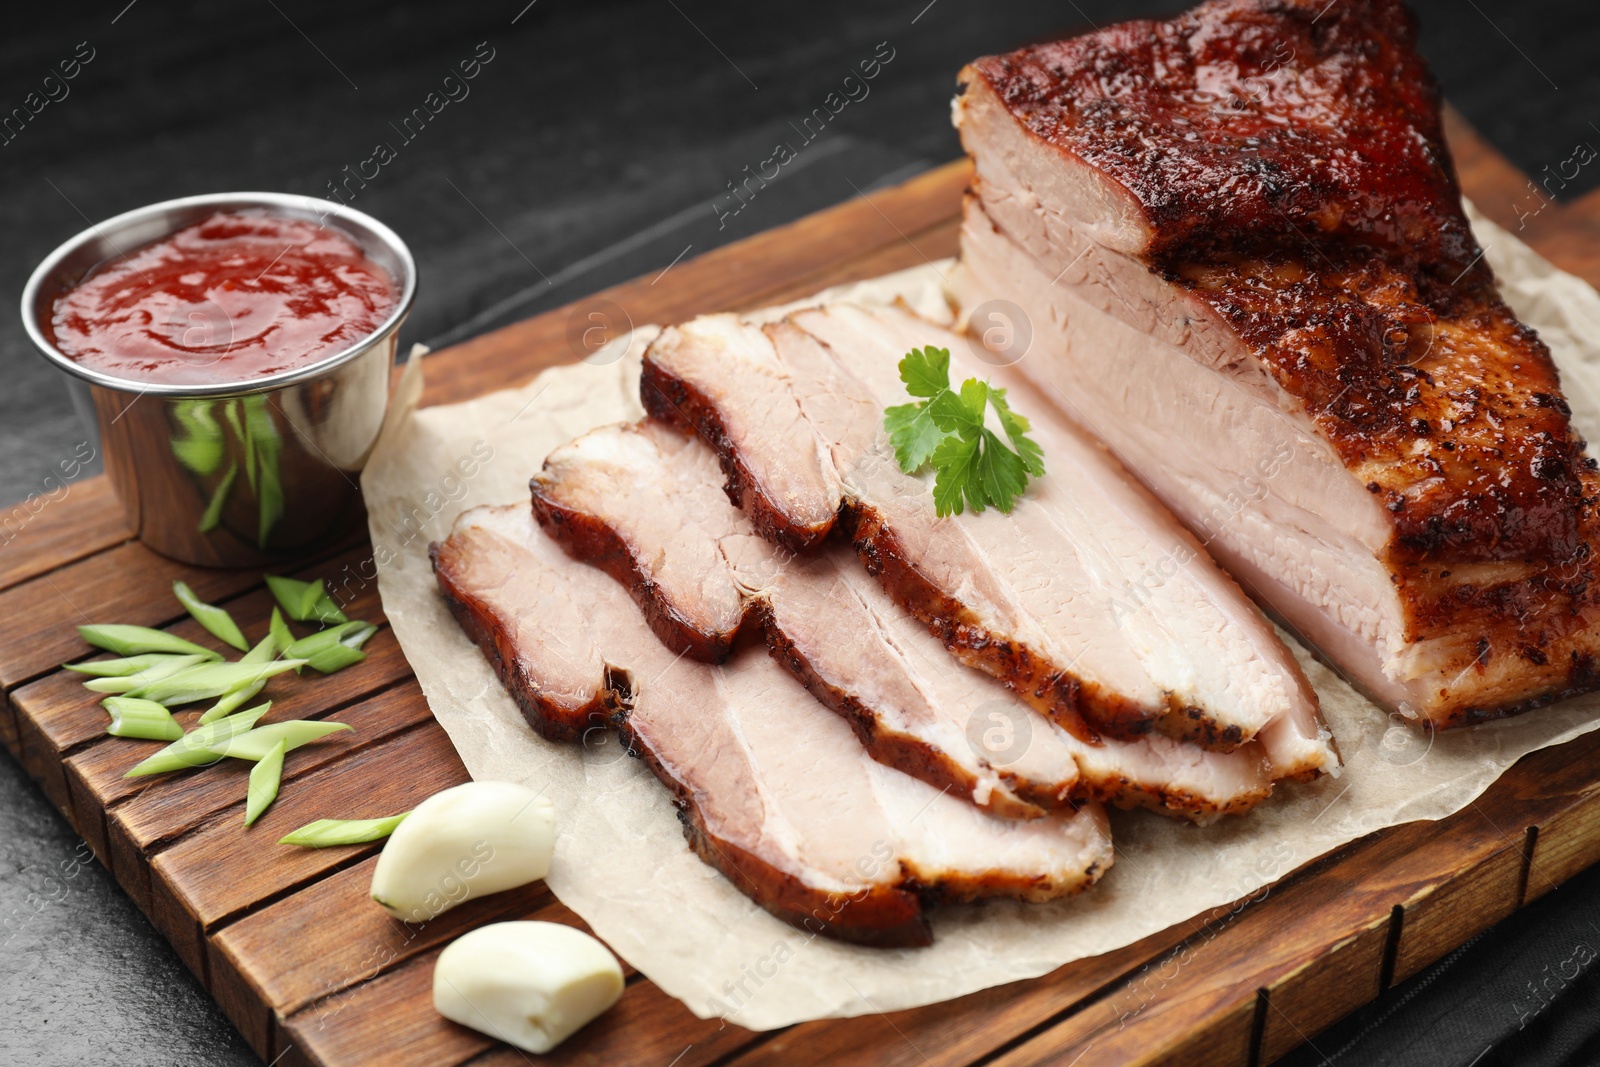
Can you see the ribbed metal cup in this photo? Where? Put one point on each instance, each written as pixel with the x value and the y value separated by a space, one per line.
pixel 233 474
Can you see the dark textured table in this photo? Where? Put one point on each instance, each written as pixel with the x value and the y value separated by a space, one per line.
pixel 596 142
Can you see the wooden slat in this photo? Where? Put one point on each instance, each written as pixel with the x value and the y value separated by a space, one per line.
pixel 1478 896
pixel 391 1019
pixel 1564 846
pixel 173 805
pixel 58 528
pixel 57 715
pixel 221 869
pixel 128 584
pixel 274 963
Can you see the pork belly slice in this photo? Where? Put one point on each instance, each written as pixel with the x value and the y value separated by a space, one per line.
pixel 1237 236
pixel 913 706
pixel 772 789
pixel 1088 599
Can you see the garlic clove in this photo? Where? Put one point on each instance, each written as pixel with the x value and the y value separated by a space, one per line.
pixel 464 842
pixel 530 984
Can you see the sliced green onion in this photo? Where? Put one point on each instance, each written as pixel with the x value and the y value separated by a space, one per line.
pixel 216 620
pixel 121 668
pixel 327 612
pixel 334 659
pixel 231 702
pixel 306 601
pixel 255 744
pixel 282 636
pixel 264 779
pixel 134 640
pixel 143 719
pixel 265 651
pixel 127 683
pixel 349 634
pixel 297 597
pixel 326 832
pixel 211 680
pixel 219 499
pixel 192 749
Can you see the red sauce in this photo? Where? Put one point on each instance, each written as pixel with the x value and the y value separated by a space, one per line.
pixel 233 297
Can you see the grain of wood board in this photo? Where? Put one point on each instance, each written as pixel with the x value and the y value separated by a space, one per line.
pixel 311 971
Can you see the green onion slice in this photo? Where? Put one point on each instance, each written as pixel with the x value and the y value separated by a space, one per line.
pixel 305 601
pixel 349 634
pixel 264 779
pixel 231 702
pixel 121 668
pixel 192 749
pixel 216 620
pixel 265 651
pixel 135 640
pixel 336 658
pixel 127 683
pixel 326 832
pixel 327 612
pixel 144 719
pixel 210 680
pixel 282 636
pixel 256 744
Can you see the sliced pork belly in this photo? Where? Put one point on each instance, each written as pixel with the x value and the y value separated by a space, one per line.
pixel 773 789
pixel 913 707
pixel 1088 599
pixel 1316 371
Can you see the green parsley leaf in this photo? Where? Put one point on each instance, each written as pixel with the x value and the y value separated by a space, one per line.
pixel 926 371
pixel 913 433
pixel 973 466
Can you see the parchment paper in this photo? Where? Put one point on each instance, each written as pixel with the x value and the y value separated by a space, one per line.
pixel 621 862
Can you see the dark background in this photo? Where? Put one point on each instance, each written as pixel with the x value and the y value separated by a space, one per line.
pixel 591 149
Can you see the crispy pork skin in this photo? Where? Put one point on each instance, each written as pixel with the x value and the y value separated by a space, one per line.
pixel 1088 599
pixel 1238 240
pixel 772 789
pixel 913 706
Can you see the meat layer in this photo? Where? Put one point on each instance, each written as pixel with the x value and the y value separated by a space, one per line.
pixel 1089 600
pixel 1245 219
pixel 772 789
pixel 913 706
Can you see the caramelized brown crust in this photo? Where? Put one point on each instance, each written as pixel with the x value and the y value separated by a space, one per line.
pixel 1070 700
pixel 907 754
pixel 553 721
pixel 675 402
pixel 588 540
pixel 1288 158
pixel 880 916
pixel 883 916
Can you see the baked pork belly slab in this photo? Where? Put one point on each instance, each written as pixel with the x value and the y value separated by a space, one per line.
pixel 1088 599
pixel 619 497
pixel 1238 242
pixel 773 789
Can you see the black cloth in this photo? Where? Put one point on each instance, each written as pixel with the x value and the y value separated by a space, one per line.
pixel 597 141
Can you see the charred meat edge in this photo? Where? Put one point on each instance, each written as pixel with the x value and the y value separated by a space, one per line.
pixel 881 916
pixel 1082 708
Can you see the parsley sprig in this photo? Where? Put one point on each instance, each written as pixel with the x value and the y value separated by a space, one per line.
pixel 974 467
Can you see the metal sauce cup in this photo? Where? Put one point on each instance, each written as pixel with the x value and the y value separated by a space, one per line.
pixel 240 473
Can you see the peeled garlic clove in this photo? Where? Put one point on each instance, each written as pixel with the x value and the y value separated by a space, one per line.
pixel 464 842
pixel 530 984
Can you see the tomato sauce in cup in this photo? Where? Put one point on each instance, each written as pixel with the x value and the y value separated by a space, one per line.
pixel 236 296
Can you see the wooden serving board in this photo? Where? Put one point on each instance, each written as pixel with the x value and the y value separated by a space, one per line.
pixel 311 972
